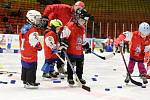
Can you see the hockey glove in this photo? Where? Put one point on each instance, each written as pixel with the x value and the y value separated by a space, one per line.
pixel 63 46
pixel 87 48
pixel 54 51
pixel 117 42
pixel 33 39
pixel 43 23
pixel 147 48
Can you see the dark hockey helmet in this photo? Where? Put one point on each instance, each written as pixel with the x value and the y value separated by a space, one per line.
pixel 82 13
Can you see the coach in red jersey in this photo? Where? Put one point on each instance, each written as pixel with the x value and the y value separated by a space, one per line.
pixel 64 13
pixel 29 45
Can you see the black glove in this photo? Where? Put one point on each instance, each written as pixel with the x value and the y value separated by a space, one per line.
pixel 87 48
pixel 44 22
pixel 63 46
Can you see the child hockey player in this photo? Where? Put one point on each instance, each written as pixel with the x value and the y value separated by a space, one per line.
pixel 73 34
pixel 137 53
pixel 29 45
pixel 51 47
pixel 64 13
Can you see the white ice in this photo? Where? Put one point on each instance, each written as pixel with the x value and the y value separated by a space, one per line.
pixel 94 67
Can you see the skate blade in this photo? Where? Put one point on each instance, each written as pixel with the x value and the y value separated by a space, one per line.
pixel 31 87
pixel 144 86
pixel 73 86
pixel 46 79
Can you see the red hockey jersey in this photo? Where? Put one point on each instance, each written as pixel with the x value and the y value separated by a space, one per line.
pixel 62 12
pixel 75 40
pixel 28 52
pixel 47 50
pixel 137 42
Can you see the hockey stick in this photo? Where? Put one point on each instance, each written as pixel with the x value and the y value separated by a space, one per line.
pixel 60 58
pixel 7 72
pixel 133 81
pixel 80 84
pixel 104 57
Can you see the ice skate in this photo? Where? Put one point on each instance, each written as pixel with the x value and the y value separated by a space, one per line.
pixel 53 74
pixel 24 83
pixel 143 77
pixel 62 70
pixel 62 73
pixel 32 85
pixel 61 76
pixel 71 82
pixel 82 81
pixel 127 79
pixel 46 75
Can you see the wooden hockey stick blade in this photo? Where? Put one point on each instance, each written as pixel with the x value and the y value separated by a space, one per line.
pixel 86 88
pixel 98 55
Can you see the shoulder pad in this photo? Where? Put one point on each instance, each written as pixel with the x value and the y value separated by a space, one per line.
pixel 25 28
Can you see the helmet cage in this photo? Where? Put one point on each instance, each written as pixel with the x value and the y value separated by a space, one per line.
pixel 81 14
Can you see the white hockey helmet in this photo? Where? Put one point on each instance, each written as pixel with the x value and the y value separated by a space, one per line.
pixel 34 16
pixel 144 28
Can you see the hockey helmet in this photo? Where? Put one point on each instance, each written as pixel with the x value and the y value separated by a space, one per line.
pixel 55 23
pixel 81 16
pixel 144 29
pixel 82 13
pixel 33 17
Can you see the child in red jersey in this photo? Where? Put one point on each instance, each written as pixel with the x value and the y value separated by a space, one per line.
pixel 73 34
pixel 29 45
pixel 137 50
pixel 51 47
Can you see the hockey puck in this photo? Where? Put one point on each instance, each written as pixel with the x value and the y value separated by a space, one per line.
pixel 107 89
pixel 114 69
pixel 56 81
pixel 10 75
pixel 96 75
pixel 94 79
pixel 13 81
pixel 119 86
pixel 62 78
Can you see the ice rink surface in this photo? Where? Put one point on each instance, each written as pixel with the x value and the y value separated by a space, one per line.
pixel 108 74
